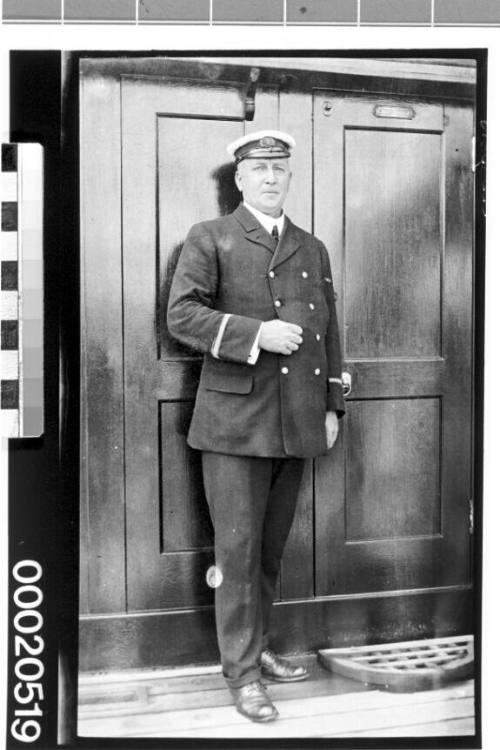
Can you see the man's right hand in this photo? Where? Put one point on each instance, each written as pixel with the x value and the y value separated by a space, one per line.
pixel 280 337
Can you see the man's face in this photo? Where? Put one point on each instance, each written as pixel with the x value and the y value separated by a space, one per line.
pixel 264 183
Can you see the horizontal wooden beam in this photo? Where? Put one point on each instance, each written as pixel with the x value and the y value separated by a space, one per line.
pixel 394 78
pixel 176 638
pixel 427 69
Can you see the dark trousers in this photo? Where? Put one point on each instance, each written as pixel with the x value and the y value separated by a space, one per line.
pixel 252 502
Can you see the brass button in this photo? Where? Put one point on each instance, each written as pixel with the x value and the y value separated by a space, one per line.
pixel 277 303
pixel 317 371
pixel 271 274
pixel 304 274
pixel 318 337
pixel 311 305
pixel 284 370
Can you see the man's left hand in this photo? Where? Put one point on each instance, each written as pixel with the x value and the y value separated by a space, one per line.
pixel 331 427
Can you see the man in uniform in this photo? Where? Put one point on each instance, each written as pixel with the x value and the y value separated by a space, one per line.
pixel 254 293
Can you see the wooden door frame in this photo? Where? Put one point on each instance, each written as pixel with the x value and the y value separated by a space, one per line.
pixel 109 636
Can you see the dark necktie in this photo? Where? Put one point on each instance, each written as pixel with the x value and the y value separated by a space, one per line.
pixel 275 234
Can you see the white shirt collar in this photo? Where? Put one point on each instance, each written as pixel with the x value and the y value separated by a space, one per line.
pixel 267 222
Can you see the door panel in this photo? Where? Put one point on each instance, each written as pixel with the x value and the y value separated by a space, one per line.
pixel 393 249
pixel 170 181
pixel 389 513
pixel 393 493
pixel 192 185
pixel 185 521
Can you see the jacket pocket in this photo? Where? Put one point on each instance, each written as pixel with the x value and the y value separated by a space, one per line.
pixel 217 381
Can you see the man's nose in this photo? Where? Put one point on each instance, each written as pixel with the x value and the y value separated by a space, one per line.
pixel 270 175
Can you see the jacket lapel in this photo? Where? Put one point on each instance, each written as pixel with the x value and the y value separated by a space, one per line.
pixel 255 232
pixel 289 243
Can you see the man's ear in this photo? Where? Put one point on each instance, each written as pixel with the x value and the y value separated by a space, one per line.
pixel 237 179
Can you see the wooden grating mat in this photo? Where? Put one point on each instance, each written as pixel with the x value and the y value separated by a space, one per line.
pixel 405 667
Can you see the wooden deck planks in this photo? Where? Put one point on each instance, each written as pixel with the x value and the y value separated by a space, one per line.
pixel 105 694
pixel 166 701
pixel 448 728
pixel 374 713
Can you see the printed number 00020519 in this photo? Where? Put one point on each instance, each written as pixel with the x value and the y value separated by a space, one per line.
pixel 28 646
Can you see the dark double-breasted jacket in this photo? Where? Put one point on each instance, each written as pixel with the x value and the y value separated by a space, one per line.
pixel 229 279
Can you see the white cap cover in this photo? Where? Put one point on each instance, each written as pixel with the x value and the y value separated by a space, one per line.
pixel 270 144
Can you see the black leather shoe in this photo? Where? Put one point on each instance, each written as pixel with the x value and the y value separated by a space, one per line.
pixel 252 701
pixel 276 668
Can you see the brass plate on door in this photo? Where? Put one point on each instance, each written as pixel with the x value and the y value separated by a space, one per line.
pixel 394 112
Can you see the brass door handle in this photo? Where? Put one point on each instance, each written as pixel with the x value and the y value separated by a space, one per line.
pixel 346 383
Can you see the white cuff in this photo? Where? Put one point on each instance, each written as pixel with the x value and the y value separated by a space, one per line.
pixel 255 350
pixel 214 351
pixel 335 380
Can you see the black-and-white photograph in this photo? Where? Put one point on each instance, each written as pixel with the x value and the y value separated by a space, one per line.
pixel 277 415
pixel 252 505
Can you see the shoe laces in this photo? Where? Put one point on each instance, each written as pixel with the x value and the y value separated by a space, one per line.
pixel 255 688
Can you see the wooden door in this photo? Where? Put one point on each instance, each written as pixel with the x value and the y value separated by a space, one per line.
pixel 395 209
pixel 175 173
pixel 381 529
